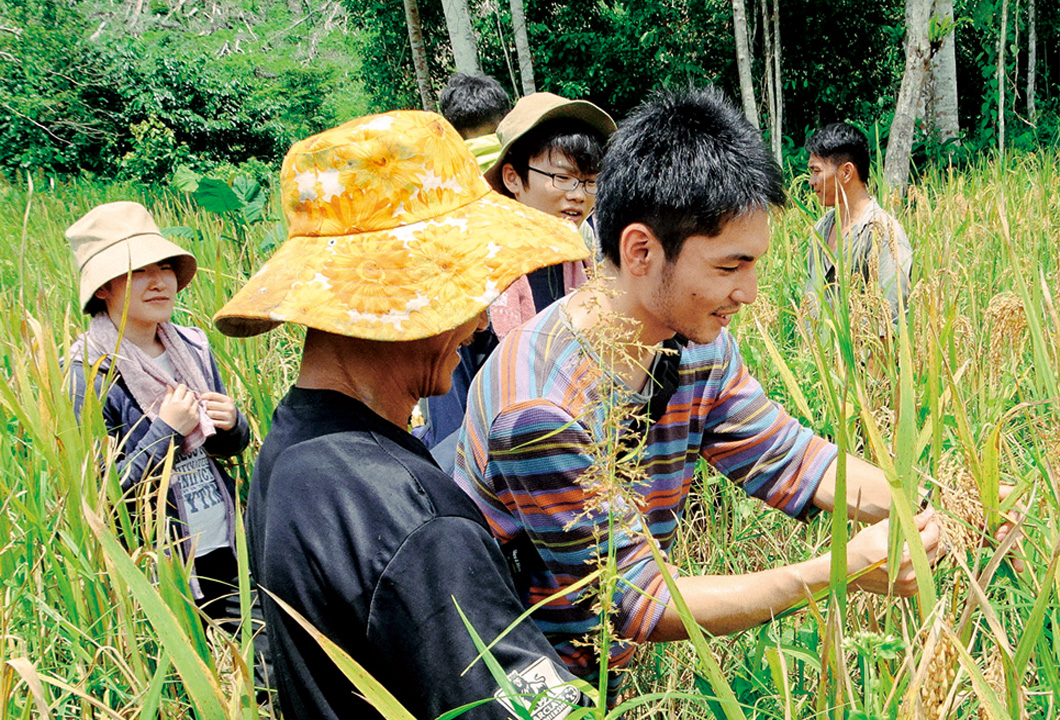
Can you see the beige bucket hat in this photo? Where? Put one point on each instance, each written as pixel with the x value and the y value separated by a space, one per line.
pixel 392 235
pixel 113 239
pixel 535 109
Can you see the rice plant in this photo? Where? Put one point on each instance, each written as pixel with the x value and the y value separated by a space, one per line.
pixel 96 618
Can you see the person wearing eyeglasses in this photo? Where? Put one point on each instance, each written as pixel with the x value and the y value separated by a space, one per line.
pixel 551 149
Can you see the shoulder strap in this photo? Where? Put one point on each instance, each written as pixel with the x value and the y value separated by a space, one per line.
pixel 666 376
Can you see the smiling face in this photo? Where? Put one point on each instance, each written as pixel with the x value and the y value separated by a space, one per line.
pixel 538 191
pixel 150 291
pixel 697 294
pixel 824 179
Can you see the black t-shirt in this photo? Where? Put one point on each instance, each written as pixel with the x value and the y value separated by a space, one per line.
pixel 351 522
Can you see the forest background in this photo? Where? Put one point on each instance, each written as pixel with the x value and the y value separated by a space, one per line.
pixel 135 89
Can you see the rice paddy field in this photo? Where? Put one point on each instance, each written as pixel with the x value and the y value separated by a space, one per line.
pixel 95 619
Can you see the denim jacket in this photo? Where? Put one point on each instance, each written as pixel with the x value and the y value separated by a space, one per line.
pixel 143 444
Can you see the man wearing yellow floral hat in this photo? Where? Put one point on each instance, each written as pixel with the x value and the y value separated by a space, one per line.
pixel 395 250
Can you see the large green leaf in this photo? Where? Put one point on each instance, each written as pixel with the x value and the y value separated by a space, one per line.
pixel 215 196
pixel 253 197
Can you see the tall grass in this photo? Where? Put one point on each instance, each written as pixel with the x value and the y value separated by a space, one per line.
pixel 967 394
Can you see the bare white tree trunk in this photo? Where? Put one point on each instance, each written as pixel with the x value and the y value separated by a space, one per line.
pixel 419 54
pixel 774 89
pixel 778 116
pixel 1001 78
pixel 767 51
pixel 940 96
pixel 522 48
pixel 917 60
pixel 1032 59
pixel 462 38
pixel 743 61
pixel 136 9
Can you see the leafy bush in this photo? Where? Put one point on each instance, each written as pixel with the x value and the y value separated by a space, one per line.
pixel 138 107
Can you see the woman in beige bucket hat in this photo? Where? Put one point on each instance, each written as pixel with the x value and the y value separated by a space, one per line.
pixel 397 246
pixel 159 386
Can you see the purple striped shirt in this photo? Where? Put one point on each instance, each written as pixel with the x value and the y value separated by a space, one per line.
pixel 525 442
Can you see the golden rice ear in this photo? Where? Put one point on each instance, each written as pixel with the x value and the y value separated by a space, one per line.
pixel 1008 323
pixel 962 516
pixel 937 670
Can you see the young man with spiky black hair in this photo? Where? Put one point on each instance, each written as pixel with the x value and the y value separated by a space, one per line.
pixel 474 105
pixel 686 189
pixel 871 242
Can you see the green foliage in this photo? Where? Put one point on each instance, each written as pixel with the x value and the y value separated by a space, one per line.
pixel 154 152
pixel 386 57
pixel 842 60
pixel 138 106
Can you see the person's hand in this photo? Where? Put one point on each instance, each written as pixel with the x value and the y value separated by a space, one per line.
pixel 180 409
pixel 1012 517
pixel 220 409
pixel 869 547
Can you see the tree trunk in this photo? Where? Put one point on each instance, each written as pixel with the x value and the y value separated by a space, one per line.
pixel 778 117
pixel 134 15
pixel 522 48
pixel 743 61
pixel 941 92
pixel 1032 59
pixel 767 51
pixel 458 21
pixel 917 60
pixel 1001 79
pixel 419 54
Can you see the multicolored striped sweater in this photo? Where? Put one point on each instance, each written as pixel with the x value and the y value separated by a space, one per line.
pixel 524 443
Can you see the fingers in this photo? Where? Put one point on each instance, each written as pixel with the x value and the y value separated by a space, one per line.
pixel 220 409
pixel 180 409
pixel 1000 535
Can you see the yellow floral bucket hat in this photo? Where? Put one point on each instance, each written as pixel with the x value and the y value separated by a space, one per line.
pixel 393 234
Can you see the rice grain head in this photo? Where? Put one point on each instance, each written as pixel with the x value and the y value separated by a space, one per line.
pixel 941 671
pixel 995 678
pixel 962 517
pixel 764 311
pixel 1008 322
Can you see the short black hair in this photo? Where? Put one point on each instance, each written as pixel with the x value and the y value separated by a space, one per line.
pixel 684 163
pixel 471 101
pixel 841 142
pixel 576 140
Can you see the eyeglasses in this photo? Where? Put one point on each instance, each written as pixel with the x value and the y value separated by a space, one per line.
pixel 566 183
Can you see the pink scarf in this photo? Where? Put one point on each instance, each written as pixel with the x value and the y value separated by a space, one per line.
pixel 516 304
pixel 145 378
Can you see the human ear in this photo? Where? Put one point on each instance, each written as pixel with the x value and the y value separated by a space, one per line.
pixel 846 172
pixel 511 180
pixel 638 248
pixel 104 291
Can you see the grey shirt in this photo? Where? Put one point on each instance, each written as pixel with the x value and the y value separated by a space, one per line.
pixel 876 250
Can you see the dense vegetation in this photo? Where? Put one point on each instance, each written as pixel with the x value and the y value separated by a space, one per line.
pixel 135 89
pixel 968 398
pixel 842 59
pixel 93 87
